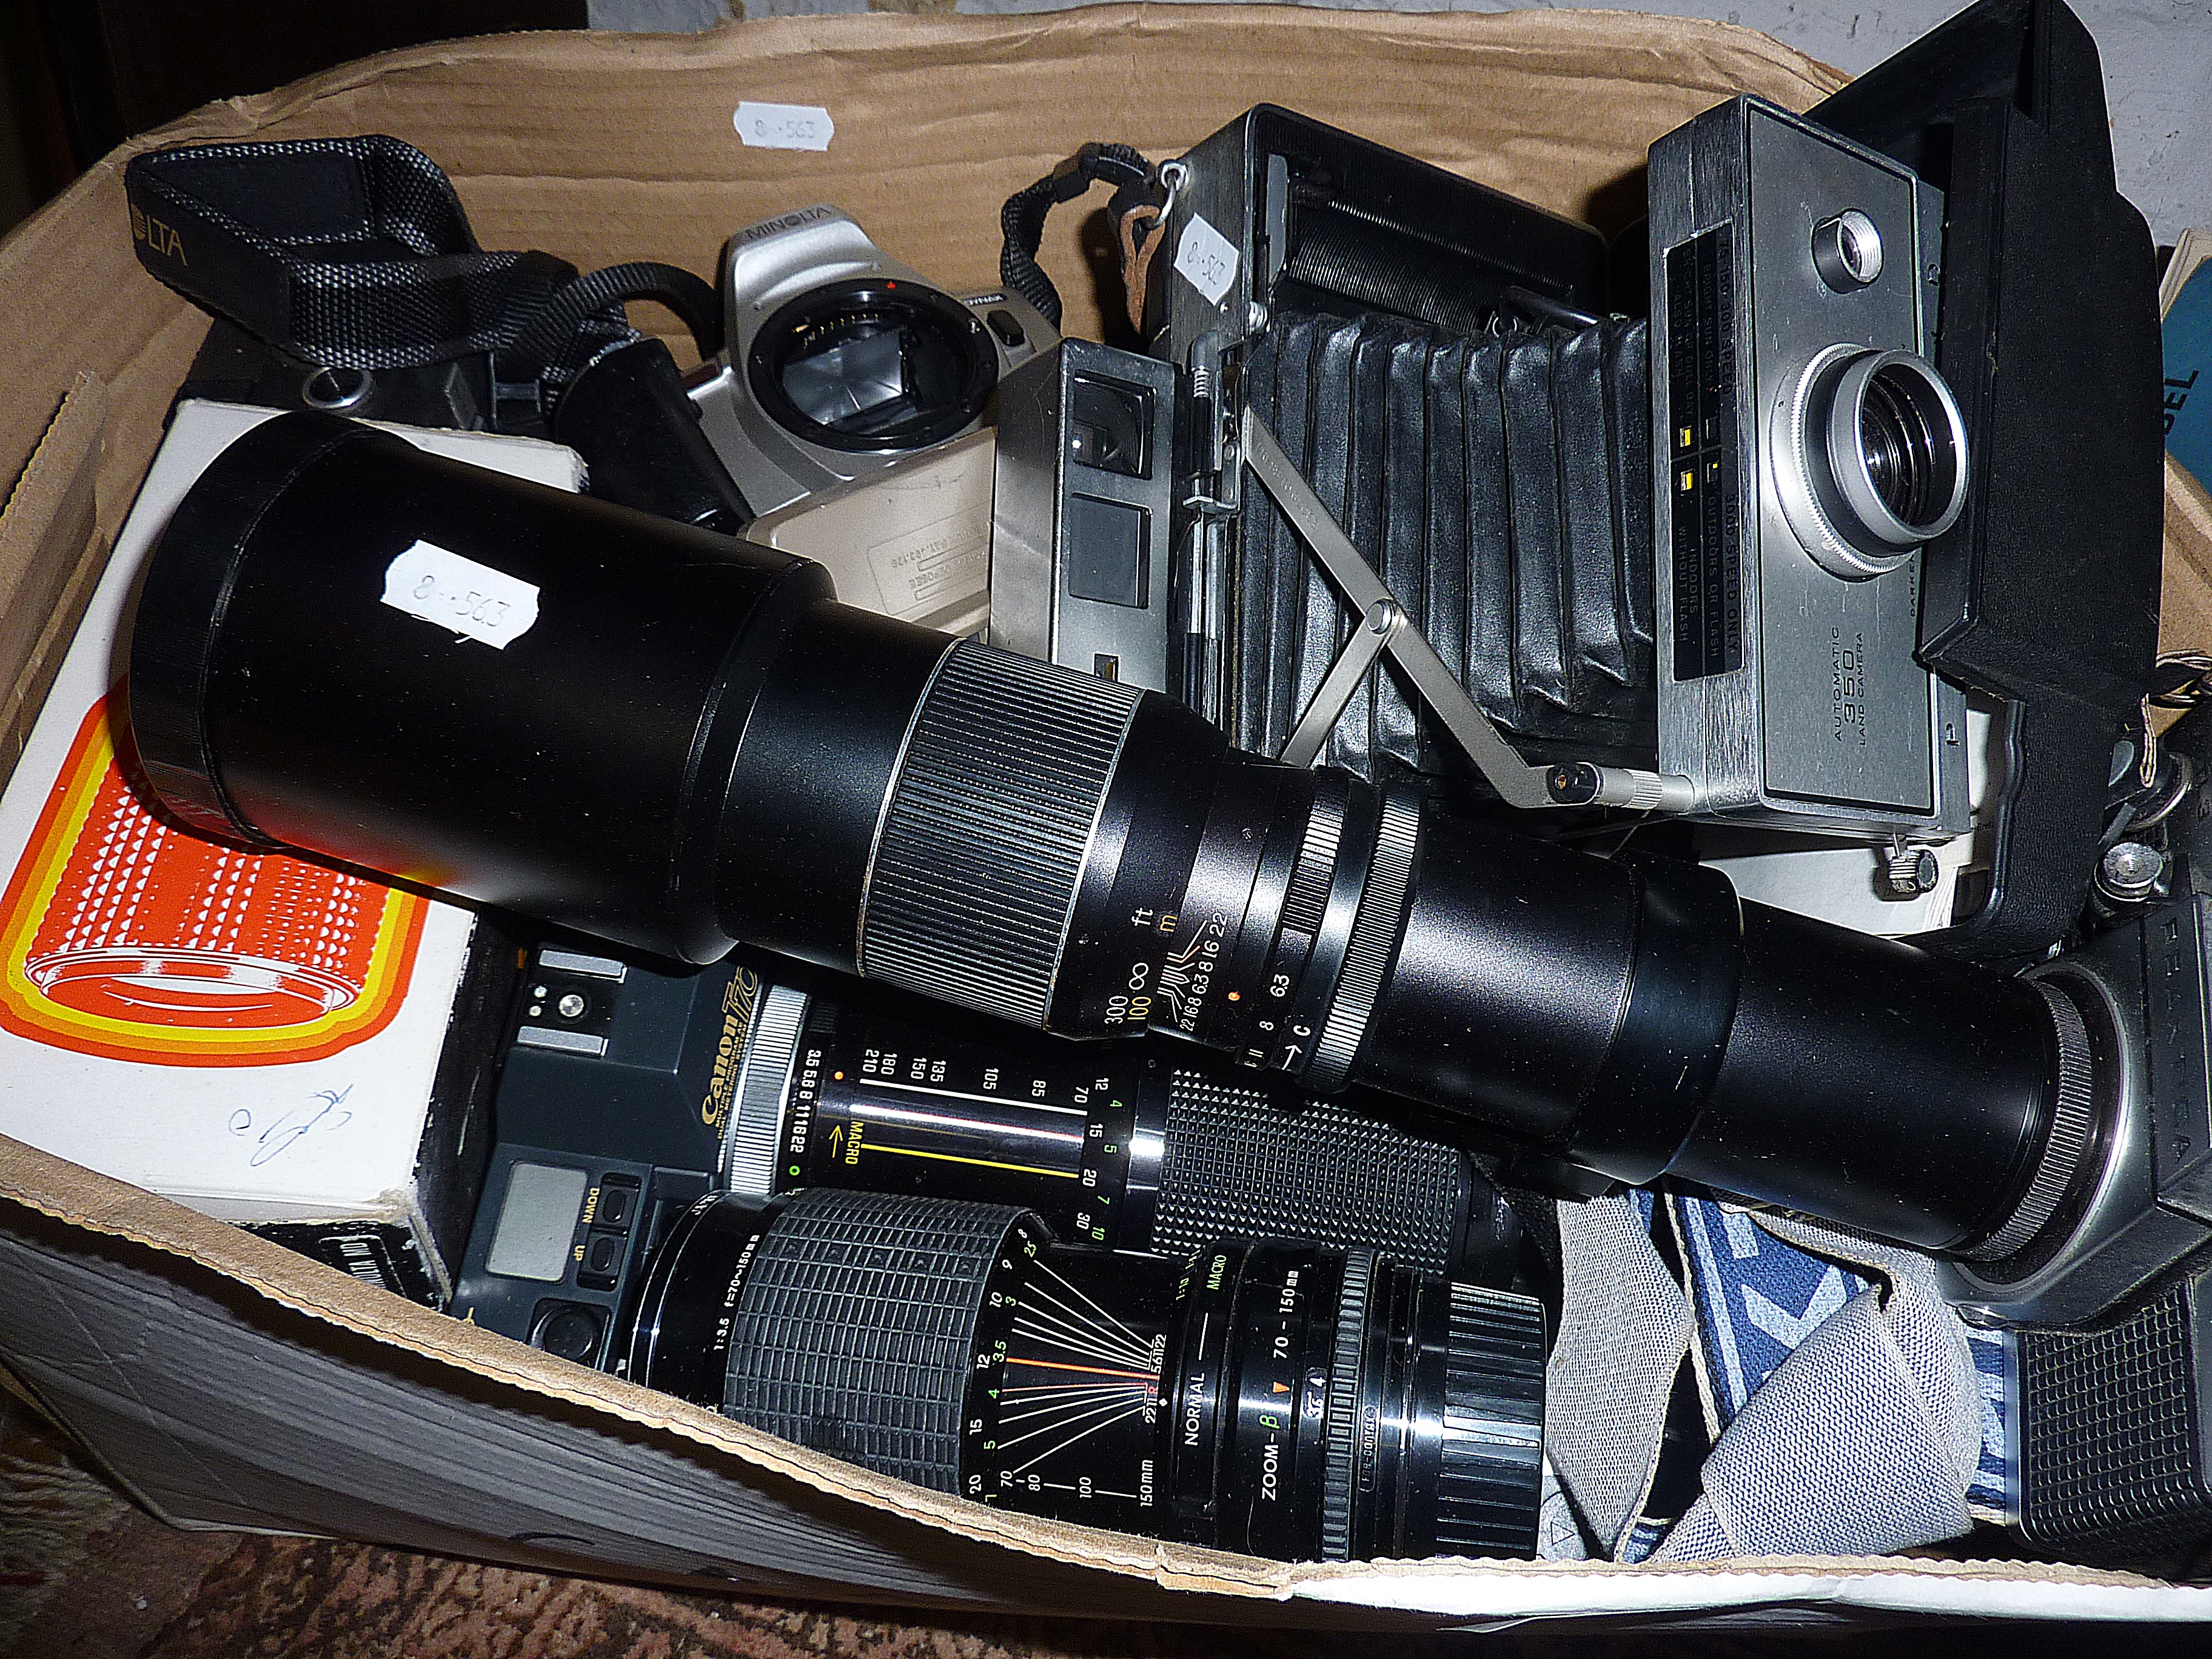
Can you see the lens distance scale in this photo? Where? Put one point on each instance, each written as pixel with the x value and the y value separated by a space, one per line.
pixel 1064 1410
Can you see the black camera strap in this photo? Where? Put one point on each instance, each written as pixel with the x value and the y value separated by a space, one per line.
pixel 1021 221
pixel 356 253
pixel 575 326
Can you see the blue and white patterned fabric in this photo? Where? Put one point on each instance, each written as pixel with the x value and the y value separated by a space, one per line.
pixel 1756 1298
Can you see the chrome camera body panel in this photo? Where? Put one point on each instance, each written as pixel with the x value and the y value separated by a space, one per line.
pixel 797 272
pixel 1804 452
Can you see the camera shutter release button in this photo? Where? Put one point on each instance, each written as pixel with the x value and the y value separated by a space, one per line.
pixel 568 1329
pixel 1847 251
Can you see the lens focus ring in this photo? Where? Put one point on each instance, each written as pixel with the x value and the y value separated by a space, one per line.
pixel 854 1332
pixel 985 832
pixel 1374 937
pixel 754 1134
pixel 1341 1456
pixel 1490 1483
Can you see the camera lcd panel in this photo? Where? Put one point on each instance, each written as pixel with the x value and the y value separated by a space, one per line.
pixel 1106 552
pixel 537 1222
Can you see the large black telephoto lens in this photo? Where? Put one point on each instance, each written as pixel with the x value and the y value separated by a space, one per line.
pixel 1274 1396
pixel 648 732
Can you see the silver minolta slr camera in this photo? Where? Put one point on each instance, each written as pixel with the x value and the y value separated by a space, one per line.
pixel 839 360
pixel 1806 450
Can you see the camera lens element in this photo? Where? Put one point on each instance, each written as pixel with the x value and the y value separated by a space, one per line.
pixel 1870 459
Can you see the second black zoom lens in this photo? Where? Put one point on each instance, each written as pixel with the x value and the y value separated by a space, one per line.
pixel 629 727
pixel 1269 1395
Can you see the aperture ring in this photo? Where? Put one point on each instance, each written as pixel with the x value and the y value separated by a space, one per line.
pixel 1374 937
pixel 985 830
pixel 1340 1454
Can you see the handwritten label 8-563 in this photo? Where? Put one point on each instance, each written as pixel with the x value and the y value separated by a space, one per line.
pixel 784 126
pixel 474 601
pixel 1206 259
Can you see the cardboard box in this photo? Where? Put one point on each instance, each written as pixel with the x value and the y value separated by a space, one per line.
pixel 231 1383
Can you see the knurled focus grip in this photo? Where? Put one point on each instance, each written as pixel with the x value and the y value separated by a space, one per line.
pixel 1490 1483
pixel 984 834
pixel 855 1332
pixel 1340 1445
pixel 1374 942
pixel 1236 1165
pixel 753 1138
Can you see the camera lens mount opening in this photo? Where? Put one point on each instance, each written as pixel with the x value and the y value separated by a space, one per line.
pixel 872 366
pixel 1870 459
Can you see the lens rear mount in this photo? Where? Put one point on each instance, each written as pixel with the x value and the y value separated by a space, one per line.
pixel 872 366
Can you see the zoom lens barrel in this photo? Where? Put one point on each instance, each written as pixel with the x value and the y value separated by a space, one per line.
pixel 1129 1146
pixel 688 743
pixel 1271 1395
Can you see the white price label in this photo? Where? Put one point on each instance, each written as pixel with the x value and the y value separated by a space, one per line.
pixel 784 126
pixel 474 601
pixel 1206 258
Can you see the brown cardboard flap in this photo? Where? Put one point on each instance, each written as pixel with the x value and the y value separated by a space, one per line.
pixel 68 1192
pixel 79 1197
pixel 52 552
pixel 2184 618
pixel 624 148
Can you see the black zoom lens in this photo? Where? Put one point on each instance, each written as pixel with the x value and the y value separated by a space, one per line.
pixel 1274 1396
pixel 690 744
pixel 1115 1146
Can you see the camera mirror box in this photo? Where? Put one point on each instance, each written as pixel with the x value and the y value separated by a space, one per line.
pixel 230 1383
pixel 273 1042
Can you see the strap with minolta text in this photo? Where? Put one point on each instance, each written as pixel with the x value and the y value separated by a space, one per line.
pixel 356 253
pixel 351 252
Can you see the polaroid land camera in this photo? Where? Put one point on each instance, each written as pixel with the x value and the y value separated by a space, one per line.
pixel 1901 452
pixel 838 360
pixel 1810 450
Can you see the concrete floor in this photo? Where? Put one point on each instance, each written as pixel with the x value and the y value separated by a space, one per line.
pixel 2157 53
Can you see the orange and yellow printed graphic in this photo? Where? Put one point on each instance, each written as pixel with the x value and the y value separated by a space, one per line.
pixel 124 936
